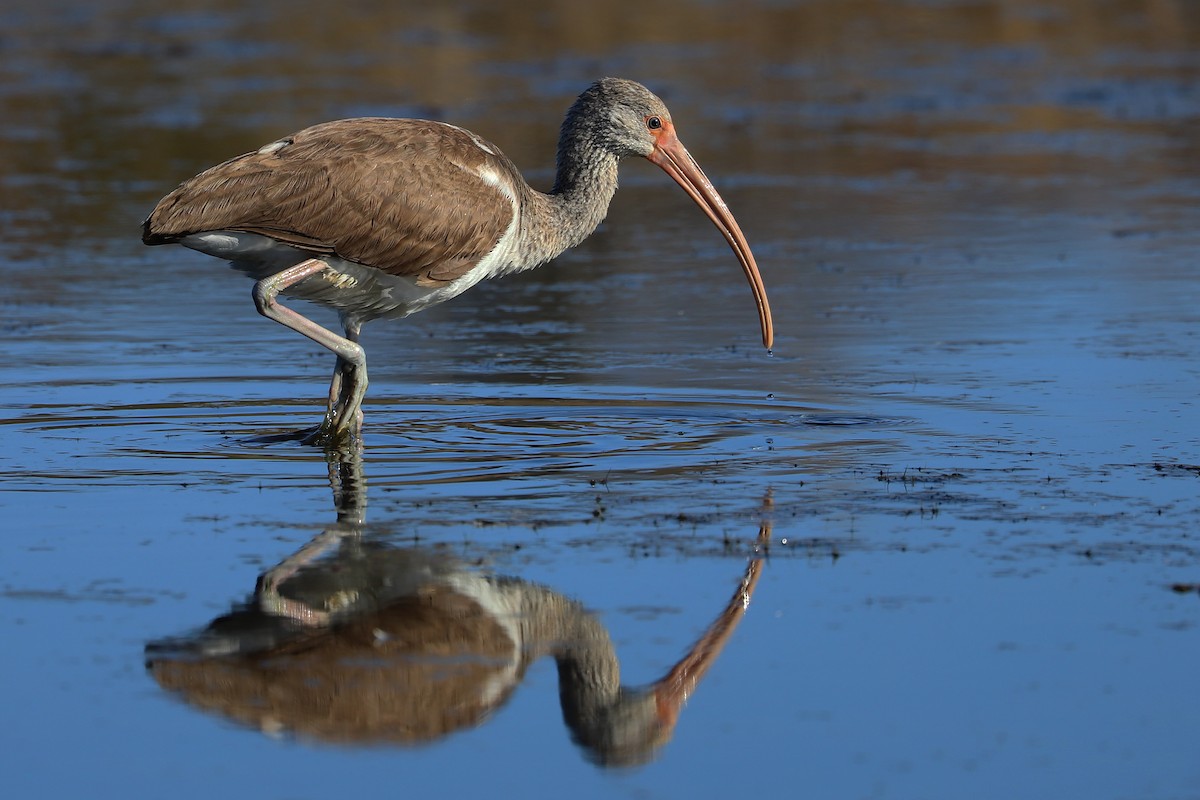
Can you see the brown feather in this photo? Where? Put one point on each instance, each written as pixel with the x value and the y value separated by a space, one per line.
pixel 403 196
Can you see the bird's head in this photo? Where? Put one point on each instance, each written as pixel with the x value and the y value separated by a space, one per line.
pixel 625 118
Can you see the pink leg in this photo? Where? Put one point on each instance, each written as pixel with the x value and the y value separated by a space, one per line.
pixel 349 385
pixel 345 390
pixel 267 592
pixel 350 498
pixel 335 390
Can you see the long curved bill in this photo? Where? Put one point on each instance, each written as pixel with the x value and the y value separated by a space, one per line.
pixel 670 154
pixel 673 689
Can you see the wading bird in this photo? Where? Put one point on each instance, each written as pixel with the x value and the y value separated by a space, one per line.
pixel 380 217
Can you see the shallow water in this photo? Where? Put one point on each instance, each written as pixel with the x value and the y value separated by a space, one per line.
pixel 973 455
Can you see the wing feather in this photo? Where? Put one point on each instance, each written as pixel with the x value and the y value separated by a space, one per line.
pixel 403 196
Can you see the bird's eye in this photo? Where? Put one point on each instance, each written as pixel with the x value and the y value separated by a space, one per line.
pixel 653 123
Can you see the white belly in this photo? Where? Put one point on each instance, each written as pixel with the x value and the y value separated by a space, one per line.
pixel 357 292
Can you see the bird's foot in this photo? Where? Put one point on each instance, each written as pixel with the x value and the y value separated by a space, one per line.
pixel 342 440
pixel 332 435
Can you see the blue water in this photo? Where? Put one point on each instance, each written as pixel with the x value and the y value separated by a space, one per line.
pixel 975 449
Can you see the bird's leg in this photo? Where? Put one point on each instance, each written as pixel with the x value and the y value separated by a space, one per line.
pixel 326 432
pixel 350 498
pixel 348 387
pixel 335 392
pixel 267 593
pixel 352 362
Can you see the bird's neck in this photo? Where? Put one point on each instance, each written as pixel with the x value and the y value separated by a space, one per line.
pixel 613 723
pixel 589 674
pixel 584 184
pixel 587 661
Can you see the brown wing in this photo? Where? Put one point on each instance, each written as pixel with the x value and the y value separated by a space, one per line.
pixel 403 196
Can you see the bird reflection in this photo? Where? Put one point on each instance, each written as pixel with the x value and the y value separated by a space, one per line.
pixel 357 641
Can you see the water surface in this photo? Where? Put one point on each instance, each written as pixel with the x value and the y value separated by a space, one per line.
pixel 973 455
